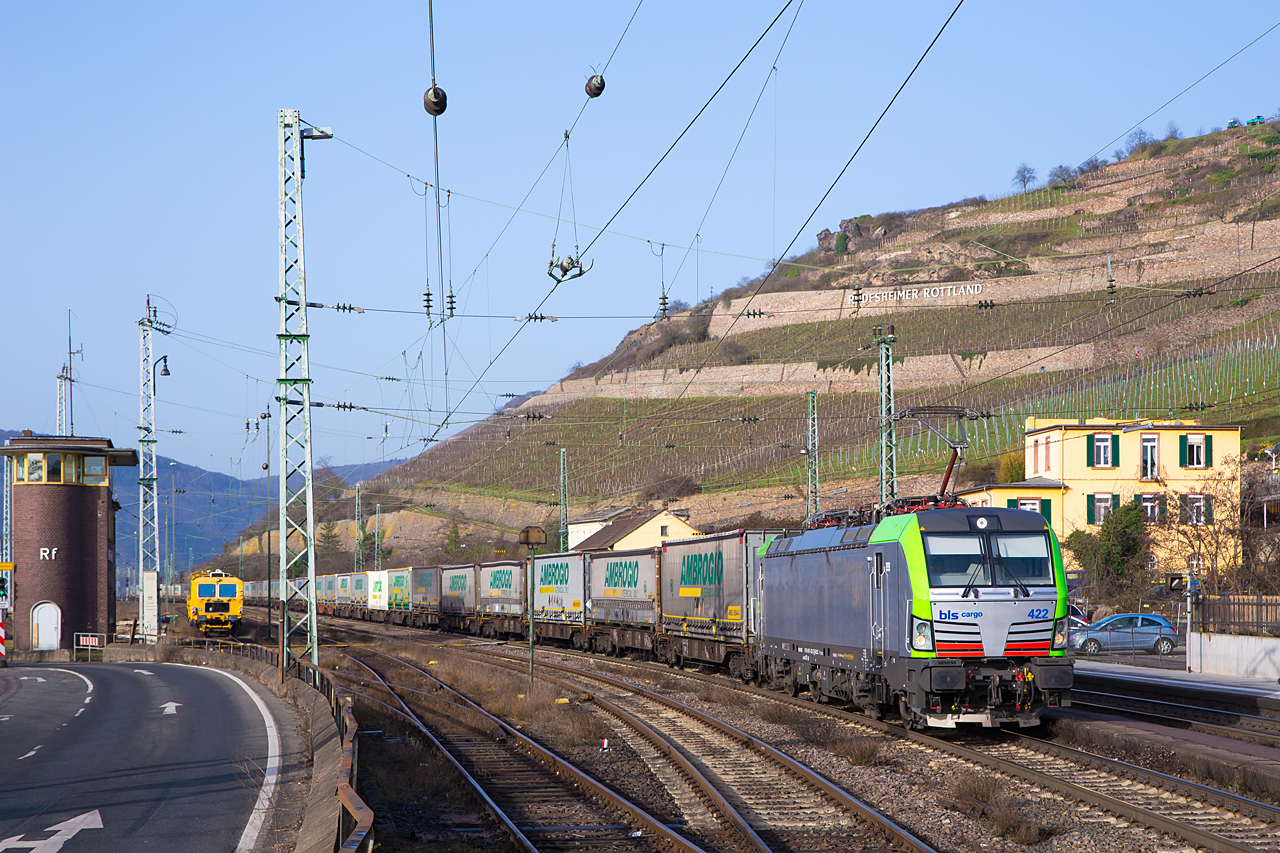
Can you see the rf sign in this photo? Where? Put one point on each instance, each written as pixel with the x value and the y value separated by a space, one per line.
pixel 48 553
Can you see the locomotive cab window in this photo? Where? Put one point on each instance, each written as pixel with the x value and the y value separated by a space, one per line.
pixel 206 590
pixel 956 560
pixel 226 590
pixel 1024 556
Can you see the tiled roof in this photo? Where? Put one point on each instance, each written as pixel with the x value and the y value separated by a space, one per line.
pixel 616 530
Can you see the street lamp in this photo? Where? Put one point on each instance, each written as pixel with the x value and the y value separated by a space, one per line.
pixel 164 371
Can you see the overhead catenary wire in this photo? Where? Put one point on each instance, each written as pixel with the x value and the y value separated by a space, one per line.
pixel 632 195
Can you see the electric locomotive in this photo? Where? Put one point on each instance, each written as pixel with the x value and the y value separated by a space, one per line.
pixel 950 615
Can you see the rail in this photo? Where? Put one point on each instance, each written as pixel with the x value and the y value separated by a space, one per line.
pixel 355 818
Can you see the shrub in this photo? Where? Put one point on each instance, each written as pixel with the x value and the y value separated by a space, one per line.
pixel 1013 467
pixel 779 714
pixel 842 243
pixel 793 272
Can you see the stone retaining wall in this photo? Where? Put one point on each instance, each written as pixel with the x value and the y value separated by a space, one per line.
pixel 772 380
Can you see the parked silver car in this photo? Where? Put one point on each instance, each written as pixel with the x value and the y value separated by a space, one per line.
pixel 1126 632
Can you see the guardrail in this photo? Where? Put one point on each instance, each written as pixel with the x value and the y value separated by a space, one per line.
pixel 355 819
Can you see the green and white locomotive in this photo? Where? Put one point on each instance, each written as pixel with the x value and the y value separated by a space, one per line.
pixel 950 615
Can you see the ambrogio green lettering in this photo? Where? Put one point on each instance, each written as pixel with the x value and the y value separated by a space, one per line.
pixel 702 569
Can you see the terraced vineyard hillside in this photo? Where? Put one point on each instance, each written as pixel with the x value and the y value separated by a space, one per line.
pixel 1147 287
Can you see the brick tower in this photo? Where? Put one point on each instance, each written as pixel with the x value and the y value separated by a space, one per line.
pixel 64 530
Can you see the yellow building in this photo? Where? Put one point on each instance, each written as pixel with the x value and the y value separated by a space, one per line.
pixel 1179 471
pixel 635 528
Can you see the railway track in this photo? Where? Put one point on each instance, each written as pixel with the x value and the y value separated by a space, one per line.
pixel 542 801
pixel 1251 728
pixel 734 791
pixel 1206 817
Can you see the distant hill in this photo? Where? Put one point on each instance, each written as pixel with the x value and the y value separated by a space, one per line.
pixel 209 508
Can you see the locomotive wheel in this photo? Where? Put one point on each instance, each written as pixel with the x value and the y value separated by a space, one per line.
pixel 792 688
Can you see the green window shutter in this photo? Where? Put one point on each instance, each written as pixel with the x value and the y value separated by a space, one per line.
pixel 1163 502
pixel 1115 451
pixel 1011 503
pixel 1184 510
pixel 1046 509
pixel 1137 499
pixel 1208 450
pixel 1208 509
pixel 1089 516
pixel 1115 502
pixel 1088 446
pixel 1182 451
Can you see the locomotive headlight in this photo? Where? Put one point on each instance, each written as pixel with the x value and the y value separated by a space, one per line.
pixel 922 636
pixel 1060 634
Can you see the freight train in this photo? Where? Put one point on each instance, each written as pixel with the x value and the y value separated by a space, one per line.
pixel 940 613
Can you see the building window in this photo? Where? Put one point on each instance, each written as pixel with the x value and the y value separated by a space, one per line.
pixel 35 467
pixel 1046 454
pixel 1151 508
pixel 1195 451
pixel 1101 508
pixel 1196 510
pixel 95 470
pixel 1035 457
pixel 1150 457
pixel 53 468
pixel 20 468
pixel 1102 451
pixel 1153 563
pixel 1029 504
pixel 663 531
pixel 1195 561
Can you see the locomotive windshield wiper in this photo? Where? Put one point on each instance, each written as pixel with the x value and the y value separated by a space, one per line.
pixel 973 578
pixel 1026 593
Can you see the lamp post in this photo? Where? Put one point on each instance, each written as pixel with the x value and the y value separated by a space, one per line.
pixel 170 499
pixel 266 466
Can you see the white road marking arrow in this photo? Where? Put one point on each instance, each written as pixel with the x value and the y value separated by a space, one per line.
pixel 31 678
pixel 64 832
pixel 144 672
pixel 169 708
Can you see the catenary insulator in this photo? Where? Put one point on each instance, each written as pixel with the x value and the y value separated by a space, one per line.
pixel 595 85
pixel 434 101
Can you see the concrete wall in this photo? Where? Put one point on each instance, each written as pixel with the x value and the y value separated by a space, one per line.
pixel 1229 654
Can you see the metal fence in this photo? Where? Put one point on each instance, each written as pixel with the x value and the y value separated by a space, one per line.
pixel 355 818
pixel 1249 615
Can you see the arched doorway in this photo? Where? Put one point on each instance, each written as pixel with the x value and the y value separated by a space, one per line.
pixel 46 626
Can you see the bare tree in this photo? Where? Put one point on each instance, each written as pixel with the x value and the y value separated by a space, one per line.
pixel 1172 131
pixel 1119 154
pixel 1062 175
pixel 1204 529
pixel 1093 164
pixel 1138 140
pixel 1025 175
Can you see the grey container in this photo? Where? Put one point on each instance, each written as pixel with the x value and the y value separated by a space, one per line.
pixel 624 587
pixel 458 589
pixel 424 588
pixel 502 588
pixel 558 587
pixel 707 584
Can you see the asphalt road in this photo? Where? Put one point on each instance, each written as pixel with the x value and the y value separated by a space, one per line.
pixel 98 758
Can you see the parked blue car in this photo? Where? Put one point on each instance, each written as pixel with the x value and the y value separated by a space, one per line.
pixel 1126 632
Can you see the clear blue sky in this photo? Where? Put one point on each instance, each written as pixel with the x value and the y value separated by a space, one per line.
pixel 140 157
